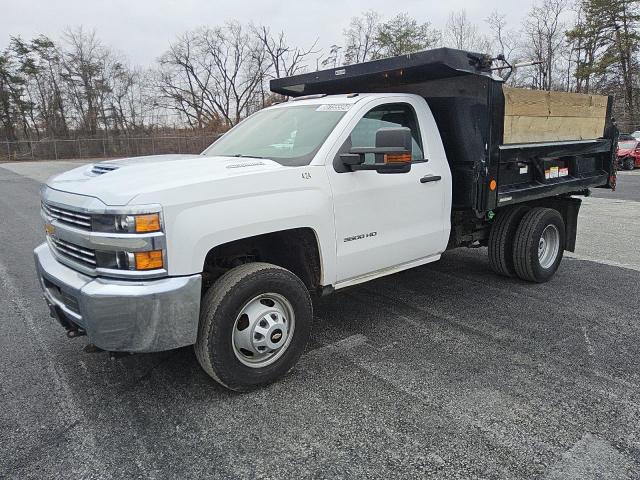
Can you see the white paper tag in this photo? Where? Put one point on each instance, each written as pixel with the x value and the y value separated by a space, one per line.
pixel 524 170
pixel 564 172
pixel 334 107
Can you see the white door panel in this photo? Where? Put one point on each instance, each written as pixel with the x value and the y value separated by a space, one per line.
pixel 386 220
pixel 383 220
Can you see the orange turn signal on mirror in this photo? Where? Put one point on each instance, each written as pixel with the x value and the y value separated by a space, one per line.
pixel 148 223
pixel 397 158
pixel 149 260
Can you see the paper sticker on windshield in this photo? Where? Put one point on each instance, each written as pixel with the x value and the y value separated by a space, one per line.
pixel 334 107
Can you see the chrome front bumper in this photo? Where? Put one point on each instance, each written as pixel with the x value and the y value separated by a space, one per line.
pixel 122 315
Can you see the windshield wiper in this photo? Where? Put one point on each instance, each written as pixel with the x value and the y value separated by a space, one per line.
pixel 242 155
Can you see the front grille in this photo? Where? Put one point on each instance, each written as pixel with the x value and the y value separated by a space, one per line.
pixel 68 217
pixel 81 255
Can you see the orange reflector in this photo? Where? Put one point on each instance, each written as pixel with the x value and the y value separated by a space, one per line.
pixel 148 223
pixel 149 260
pixel 492 185
pixel 397 158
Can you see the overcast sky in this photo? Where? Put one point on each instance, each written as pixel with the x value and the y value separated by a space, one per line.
pixel 142 29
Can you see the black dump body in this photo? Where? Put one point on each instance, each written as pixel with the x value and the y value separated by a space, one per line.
pixel 468 104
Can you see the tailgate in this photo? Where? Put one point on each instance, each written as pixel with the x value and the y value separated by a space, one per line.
pixel 538 170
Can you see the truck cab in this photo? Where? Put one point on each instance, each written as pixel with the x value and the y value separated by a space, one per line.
pixel 225 250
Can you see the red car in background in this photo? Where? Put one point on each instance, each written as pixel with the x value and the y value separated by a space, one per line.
pixel 628 154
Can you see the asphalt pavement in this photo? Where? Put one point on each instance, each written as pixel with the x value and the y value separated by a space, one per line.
pixel 444 371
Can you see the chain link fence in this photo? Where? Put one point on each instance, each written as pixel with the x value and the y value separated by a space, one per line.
pixel 108 147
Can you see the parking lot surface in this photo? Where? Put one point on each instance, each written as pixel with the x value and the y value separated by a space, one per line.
pixel 444 371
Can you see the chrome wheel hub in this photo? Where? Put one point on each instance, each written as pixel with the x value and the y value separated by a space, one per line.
pixel 263 330
pixel 548 246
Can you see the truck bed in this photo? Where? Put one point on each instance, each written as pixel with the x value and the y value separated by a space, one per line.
pixel 533 144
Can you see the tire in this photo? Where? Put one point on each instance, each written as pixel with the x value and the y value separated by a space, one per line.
pixel 249 288
pixel 501 238
pixel 629 164
pixel 529 238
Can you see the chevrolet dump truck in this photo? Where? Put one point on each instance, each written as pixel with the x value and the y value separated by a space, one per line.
pixel 375 168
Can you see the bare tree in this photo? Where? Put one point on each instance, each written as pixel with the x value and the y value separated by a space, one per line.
pixel 284 60
pixel 184 81
pixel 544 31
pixel 213 75
pixel 86 64
pixel 361 38
pixel 461 33
pixel 334 58
pixel 505 41
pixel 238 65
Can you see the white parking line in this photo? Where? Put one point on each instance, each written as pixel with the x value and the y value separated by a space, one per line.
pixel 602 261
pixel 345 344
pixel 592 457
pixel 68 410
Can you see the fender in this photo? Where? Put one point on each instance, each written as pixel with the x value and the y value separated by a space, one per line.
pixel 225 210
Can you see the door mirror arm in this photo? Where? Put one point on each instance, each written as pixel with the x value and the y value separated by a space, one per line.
pixel 355 162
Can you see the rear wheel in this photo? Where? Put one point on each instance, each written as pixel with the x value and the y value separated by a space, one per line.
pixel 501 238
pixel 539 244
pixel 255 322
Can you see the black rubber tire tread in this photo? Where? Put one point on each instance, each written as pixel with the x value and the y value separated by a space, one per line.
pixel 501 239
pixel 525 249
pixel 629 164
pixel 219 308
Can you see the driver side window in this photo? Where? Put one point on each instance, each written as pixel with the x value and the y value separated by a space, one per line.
pixel 390 115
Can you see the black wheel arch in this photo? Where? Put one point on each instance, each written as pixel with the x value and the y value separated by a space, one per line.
pixel 296 250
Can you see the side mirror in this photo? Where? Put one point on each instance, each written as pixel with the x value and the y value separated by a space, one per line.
pixel 392 152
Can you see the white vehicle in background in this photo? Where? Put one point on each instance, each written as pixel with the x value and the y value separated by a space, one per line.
pixel 224 250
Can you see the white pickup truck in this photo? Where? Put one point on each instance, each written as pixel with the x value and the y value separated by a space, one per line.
pixel 224 250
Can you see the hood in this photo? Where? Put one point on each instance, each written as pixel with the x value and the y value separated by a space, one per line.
pixel 625 152
pixel 118 182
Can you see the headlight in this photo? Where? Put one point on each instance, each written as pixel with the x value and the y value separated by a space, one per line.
pixel 145 223
pixel 132 261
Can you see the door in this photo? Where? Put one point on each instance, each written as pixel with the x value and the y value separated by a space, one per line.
pixel 384 221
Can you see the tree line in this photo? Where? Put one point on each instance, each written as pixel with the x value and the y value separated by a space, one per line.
pixel 212 77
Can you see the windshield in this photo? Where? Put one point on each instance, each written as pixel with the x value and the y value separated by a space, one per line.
pixel 628 144
pixel 290 136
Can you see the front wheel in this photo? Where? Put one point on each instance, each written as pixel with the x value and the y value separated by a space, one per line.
pixel 255 322
pixel 629 163
pixel 539 244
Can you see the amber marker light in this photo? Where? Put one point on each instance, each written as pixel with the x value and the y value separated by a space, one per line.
pixel 397 158
pixel 148 223
pixel 492 185
pixel 149 260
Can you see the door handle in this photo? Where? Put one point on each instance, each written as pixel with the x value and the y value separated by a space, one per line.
pixel 430 178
